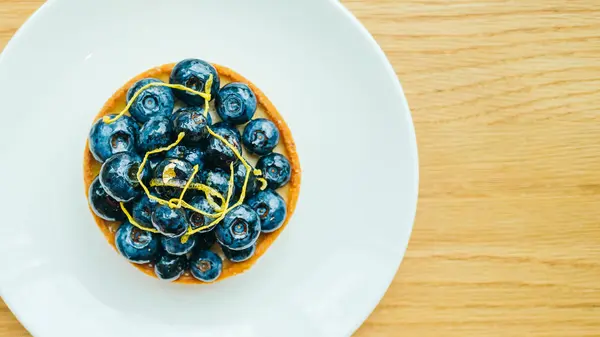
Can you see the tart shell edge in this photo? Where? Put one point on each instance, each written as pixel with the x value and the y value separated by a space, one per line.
pixel 91 167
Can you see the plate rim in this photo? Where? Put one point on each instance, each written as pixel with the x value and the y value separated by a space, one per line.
pixel 413 145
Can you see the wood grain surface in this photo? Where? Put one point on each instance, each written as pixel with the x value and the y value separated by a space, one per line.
pixel 505 95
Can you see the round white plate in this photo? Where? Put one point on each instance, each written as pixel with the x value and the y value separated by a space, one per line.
pixel 327 77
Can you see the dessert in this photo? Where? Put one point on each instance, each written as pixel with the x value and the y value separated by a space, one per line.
pixel 190 172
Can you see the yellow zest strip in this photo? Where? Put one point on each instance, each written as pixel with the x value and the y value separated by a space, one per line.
pixel 213 204
pixel 187 185
pixel 133 222
pixel 206 96
pixel 194 209
pixel 207 88
pixel 263 182
pixel 193 186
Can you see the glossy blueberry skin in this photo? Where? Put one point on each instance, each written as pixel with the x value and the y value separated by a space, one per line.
pixel 192 121
pixel 217 152
pixel 239 255
pixel 155 133
pixel 260 136
pixel 171 222
pixel 106 140
pixel 217 179
pixel 236 103
pixel 194 73
pixel 205 240
pixel 142 210
pixel 197 220
pixel 154 160
pixel 192 155
pixel 152 102
pixel 271 209
pixel 175 172
pixel 205 265
pixel 239 229
pixel 103 205
pixel 118 176
pixel 174 246
pixel 136 245
pixel 231 127
pixel 170 267
pixel 276 169
pixel 253 185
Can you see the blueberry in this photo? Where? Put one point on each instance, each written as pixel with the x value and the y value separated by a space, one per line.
pixel 205 265
pixel 174 173
pixel 155 133
pixel 239 229
pixel 136 245
pixel 103 205
pixel 174 246
pixel 170 267
pixel 275 168
pixel 197 220
pixel 260 136
pixel 236 103
pixel 271 209
pixel 156 101
pixel 192 155
pixel 217 152
pixel 253 185
pixel 118 176
pixel 192 121
pixel 239 255
pixel 217 179
pixel 108 139
pixel 154 160
pixel 205 240
pixel 142 210
pixel 231 127
pixel 194 73
pixel 170 222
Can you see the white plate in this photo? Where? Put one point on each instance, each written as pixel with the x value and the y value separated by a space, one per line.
pixel 328 78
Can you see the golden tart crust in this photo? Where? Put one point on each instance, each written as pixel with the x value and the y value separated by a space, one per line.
pixel 286 146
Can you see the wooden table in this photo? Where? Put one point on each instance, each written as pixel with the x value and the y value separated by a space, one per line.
pixel 505 95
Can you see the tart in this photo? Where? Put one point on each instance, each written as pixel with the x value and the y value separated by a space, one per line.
pixel 190 172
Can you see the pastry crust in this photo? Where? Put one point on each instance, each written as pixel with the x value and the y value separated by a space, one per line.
pixel 287 146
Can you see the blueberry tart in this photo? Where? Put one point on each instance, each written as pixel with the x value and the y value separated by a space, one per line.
pixel 190 172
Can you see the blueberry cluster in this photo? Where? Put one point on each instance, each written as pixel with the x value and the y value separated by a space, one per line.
pixel 179 183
